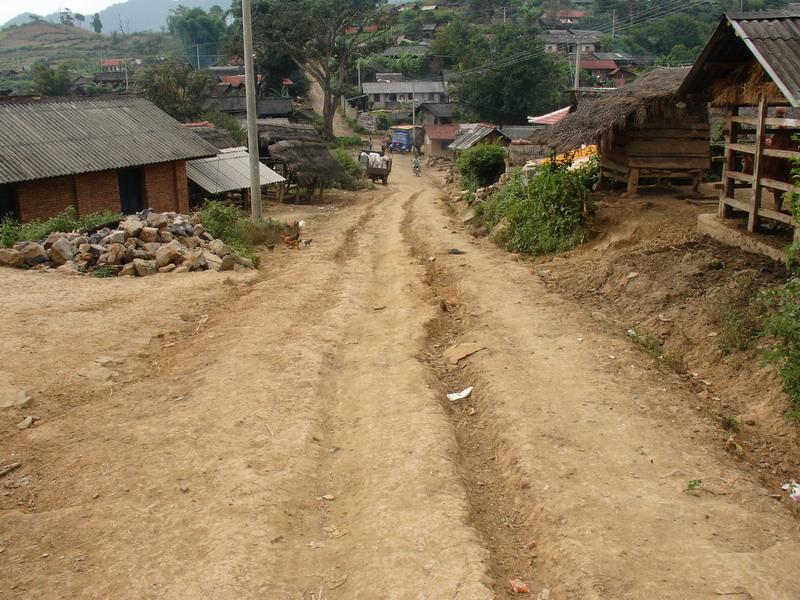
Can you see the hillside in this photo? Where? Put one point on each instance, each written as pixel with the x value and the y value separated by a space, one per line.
pixel 22 46
pixel 133 15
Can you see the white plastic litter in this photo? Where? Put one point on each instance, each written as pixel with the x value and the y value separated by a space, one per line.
pixel 455 396
pixel 794 490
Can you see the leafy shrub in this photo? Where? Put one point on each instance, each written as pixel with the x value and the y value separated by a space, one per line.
pixel 383 121
pixel 783 324
pixel 12 232
pixel 232 226
pixel 349 141
pixel 481 166
pixel 353 177
pixel 228 123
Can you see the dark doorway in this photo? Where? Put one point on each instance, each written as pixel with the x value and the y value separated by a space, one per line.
pixel 131 190
pixel 8 202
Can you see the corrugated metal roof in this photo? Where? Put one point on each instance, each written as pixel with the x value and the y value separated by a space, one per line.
pixel 472 137
pixel 772 37
pixel 227 172
pixel 518 132
pixel 439 109
pixel 238 104
pixel 66 136
pixel 403 87
pixel 442 132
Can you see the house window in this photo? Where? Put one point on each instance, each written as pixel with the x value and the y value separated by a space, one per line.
pixel 376 97
pixel 8 202
pixel 392 97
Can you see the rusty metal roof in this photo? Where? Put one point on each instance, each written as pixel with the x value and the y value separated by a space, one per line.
pixel 66 136
pixel 772 37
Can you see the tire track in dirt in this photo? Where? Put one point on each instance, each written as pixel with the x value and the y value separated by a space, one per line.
pixel 487 471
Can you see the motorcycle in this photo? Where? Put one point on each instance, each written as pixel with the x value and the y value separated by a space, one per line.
pixel 416 169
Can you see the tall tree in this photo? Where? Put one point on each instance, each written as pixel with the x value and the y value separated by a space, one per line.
pixel 195 27
pixel 97 24
pixel 175 88
pixel 80 18
pixel 323 37
pixel 51 82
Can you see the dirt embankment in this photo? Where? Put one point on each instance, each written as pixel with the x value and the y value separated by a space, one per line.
pixel 648 275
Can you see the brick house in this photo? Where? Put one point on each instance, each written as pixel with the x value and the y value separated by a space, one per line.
pixel 121 154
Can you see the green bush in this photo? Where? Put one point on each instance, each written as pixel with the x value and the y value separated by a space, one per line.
pixel 228 123
pixel 383 121
pixel 545 216
pixel 12 232
pixel 783 324
pixel 232 226
pixel 349 141
pixel 353 177
pixel 481 166
pixel 738 311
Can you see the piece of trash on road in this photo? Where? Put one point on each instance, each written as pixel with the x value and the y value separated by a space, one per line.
pixel 794 490
pixel 455 251
pixel 455 396
pixel 379 307
pixel 431 258
pixel 328 497
pixel 518 587
pixel 462 351
pixel 611 356
pixel 663 318
pixel 531 544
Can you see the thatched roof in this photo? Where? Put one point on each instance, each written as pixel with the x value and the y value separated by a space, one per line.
pixel 519 154
pixel 269 134
pixel 215 136
pixel 309 162
pixel 650 95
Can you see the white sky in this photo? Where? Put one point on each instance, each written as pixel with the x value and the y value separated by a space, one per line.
pixel 11 8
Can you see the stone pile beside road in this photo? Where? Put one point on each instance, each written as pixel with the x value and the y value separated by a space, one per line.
pixel 142 244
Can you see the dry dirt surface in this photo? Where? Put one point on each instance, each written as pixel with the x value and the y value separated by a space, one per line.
pixel 286 434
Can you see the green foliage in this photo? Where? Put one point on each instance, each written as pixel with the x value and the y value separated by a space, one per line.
pixel 104 271
pixel 782 323
pixel 481 166
pixel 349 141
pixel 97 24
pixel 194 26
pixel 353 178
pixel 661 36
pixel 383 121
pixel 52 82
pixel 648 341
pixel 738 311
pixel 545 216
pixel 228 223
pixel 227 122
pixel 12 232
pixel 175 88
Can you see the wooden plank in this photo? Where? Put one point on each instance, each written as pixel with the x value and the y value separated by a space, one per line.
pixel 665 162
pixel 647 134
pixel 610 164
pixel 787 154
pixel 778 185
pixel 758 165
pixel 748 148
pixel 769 121
pixel 728 167
pixel 738 204
pixel 777 216
pixel 633 182
pixel 739 176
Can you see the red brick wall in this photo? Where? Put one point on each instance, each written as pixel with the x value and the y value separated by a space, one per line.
pixel 44 198
pixel 97 191
pixel 166 187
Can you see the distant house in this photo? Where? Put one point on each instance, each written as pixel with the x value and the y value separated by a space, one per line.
pixel 113 65
pixel 391 95
pixel 226 70
pixel 599 70
pixel 621 76
pixel 438 139
pixel 564 17
pixel 476 135
pixel 236 106
pixel 389 77
pixel 565 41
pixel 116 153
pixel 436 113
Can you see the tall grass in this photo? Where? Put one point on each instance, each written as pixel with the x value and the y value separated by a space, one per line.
pixel 12 232
pixel 232 226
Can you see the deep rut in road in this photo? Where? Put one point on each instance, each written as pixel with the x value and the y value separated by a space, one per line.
pixel 486 467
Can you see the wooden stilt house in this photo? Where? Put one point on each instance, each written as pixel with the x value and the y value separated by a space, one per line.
pixel 751 68
pixel 641 131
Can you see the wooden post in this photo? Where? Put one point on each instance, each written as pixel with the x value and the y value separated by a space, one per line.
pixel 758 166
pixel 633 181
pixel 728 184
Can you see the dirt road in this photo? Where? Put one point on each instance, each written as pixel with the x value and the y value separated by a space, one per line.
pixel 286 434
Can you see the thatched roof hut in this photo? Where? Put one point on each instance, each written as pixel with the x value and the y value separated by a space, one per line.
pixel 272 133
pixel 307 162
pixel 219 138
pixel 653 95
pixel 641 130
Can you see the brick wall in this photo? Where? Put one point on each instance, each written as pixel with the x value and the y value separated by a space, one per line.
pixel 44 198
pixel 166 187
pixel 97 191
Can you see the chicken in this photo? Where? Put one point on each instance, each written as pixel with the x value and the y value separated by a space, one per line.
pixel 292 239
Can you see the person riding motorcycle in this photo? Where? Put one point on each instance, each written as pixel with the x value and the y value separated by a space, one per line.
pixel 416 166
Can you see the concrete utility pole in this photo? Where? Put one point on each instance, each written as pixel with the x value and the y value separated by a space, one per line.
pixel 197 51
pixel 252 126
pixel 577 64
pixel 613 24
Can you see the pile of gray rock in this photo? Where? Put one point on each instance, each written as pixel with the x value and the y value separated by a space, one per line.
pixel 142 244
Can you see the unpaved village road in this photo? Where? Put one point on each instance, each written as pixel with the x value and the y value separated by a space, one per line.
pixel 284 435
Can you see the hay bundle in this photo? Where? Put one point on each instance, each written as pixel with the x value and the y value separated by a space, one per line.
pixel 745 85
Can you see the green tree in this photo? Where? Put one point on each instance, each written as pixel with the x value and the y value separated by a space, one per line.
pixel 80 18
pixel 323 37
pixel 661 35
pixel 66 18
pixel 194 26
pixel 97 24
pixel 509 92
pixel 51 82
pixel 175 88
